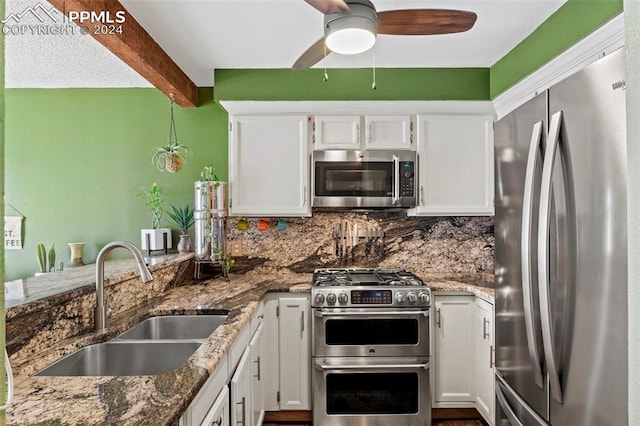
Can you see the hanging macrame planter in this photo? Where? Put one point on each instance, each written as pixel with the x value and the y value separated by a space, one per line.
pixel 170 158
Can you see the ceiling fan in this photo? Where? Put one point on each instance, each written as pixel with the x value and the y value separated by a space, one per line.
pixel 351 26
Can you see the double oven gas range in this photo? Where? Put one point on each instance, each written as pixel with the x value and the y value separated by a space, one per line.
pixel 370 348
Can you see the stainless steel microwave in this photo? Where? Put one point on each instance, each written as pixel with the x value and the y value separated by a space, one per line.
pixel 364 179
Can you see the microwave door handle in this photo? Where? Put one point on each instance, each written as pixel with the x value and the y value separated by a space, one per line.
pixel 396 180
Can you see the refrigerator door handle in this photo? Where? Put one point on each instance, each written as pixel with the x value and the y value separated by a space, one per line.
pixel 543 255
pixel 533 159
pixel 502 400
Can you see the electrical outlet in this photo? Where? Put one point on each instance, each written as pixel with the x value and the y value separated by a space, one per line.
pixel 236 248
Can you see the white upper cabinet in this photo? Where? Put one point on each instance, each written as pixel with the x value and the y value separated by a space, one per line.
pixel 455 165
pixel 269 165
pixel 347 132
pixel 388 132
pixel 337 132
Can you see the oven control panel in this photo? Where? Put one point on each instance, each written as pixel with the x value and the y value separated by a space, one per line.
pixel 371 297
pixel 341 297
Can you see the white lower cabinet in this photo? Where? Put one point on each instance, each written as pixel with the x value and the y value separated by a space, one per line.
pixel 241 397
pixel 454 344
pixel 218 415
pixel 287 367
pixel 257 388
pixel 462 352
pixel 484 343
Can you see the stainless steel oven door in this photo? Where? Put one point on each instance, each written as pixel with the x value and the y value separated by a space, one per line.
pixel 372 391
pixel 371 332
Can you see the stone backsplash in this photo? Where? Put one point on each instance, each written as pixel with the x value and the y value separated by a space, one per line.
pixel 419 244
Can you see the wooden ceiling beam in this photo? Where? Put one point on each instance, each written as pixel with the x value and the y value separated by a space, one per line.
pixel 135 47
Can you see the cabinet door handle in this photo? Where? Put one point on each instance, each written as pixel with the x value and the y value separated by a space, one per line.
pixel 421 195
pixel 358 134
pixel 218 422
pixel 257 375
pixel 484 328
pixel 492 353
pixel 438 322
pixel 304 196
pixel 244 414
pixel 370 131
pixel 301 324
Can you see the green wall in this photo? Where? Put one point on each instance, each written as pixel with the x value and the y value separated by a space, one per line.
pixel 75 159
pixel 353 84
pixel 568 25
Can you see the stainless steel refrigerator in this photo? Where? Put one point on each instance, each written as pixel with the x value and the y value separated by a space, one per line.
pixel 561 253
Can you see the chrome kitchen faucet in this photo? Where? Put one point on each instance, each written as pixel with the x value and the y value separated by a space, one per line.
pixel 102 310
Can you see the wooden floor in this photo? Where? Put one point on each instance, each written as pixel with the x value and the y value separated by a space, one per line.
pixel 440 416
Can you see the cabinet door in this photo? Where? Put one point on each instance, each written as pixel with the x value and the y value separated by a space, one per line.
pixel 295 353
pixel 484 359
pixel 455 165
pixel 269 165
pixel 241 392
pixel 271 354
pixel 454 349
pixel 218 415
pixel 257 390
pixel 388 132
pixel 337 132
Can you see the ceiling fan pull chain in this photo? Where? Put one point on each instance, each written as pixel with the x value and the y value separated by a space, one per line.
pixel 373 85
pixel 325 76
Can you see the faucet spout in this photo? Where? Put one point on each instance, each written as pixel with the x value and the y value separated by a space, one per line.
pixel 102 310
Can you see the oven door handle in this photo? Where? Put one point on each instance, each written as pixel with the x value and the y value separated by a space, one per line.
pixel 320 314
pixel 324 367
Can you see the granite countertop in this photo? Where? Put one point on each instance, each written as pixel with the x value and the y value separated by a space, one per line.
pixel 480 285
pixel 45 290
pixel 159 399
pixel 162 399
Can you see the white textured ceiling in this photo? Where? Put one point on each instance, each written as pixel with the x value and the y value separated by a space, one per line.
pixel 64 60
pixel 202 35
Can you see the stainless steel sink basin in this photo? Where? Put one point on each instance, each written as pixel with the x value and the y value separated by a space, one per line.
pixel 174 327
pixel 123 358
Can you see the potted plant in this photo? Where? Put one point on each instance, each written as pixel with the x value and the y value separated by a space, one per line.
pixel 154 199
pixel 183 218
pixel 171 157
pixel 43 256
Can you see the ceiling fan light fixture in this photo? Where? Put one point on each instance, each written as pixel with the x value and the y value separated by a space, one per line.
pixel 351 32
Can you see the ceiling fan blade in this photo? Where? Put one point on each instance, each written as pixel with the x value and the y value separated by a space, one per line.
pixel 329 6
pixel 312 55
pixel 425 21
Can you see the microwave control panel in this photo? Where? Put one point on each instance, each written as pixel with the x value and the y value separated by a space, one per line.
pixel 407 179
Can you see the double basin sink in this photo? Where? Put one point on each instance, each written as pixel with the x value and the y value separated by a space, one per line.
pixel 157 345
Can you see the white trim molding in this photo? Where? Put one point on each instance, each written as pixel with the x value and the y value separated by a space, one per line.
pixel 356 107
pixel 601 42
